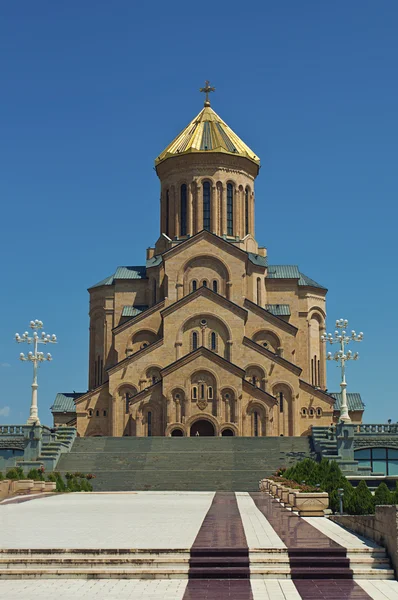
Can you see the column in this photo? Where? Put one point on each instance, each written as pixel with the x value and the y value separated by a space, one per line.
pixel 237 216
pixel 177 209
pixel 190 230
pixel 199 209
pixel 213 208
pixel 178 346
pixel 223 210
pixel 251 214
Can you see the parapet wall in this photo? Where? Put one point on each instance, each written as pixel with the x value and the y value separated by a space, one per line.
pixel 382 527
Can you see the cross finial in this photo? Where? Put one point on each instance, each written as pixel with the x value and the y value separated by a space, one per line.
pixel 206 90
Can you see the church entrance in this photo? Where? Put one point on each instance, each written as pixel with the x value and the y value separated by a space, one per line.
pixel 202 427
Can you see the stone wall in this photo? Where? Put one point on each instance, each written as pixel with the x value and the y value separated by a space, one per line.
pixel 382 527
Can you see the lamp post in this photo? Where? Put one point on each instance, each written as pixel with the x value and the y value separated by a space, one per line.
pixel 341 356
pixel 36 358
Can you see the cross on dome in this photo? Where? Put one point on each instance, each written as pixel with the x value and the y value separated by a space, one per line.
pixel 206 90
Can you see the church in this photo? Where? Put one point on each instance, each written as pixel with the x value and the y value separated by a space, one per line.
pixel 209 337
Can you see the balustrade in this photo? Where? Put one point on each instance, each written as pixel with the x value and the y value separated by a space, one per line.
pixel 377 429
pixel 12 430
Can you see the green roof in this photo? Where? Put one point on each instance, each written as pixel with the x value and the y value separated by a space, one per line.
pixel 354 400
pixel 304 280
pixel 291 272
pixel 257 259
pixel 283 272
pixel 133 311
pixel 279 310
pixel 154 261
pixel 123 273
pixel 64 402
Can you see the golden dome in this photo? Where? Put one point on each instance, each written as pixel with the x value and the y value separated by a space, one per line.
pixel 207 132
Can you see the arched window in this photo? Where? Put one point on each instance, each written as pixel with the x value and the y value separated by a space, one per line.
pixel 204 283
pixel 194 285
pixel 90 412
pixel 318 412
pixel 154 379
pixel 254 380
pixel 149 423
pixel 194 392
pixel 213 340
pixel 311 412
pixel 104 413
pixel 255 423
pixel 215 286
pixel 202 391
pixel 206 205
pixel 97 413
pixel 247 211
pixel 167 212
pixel 183 210
pixel 303 412
pixel 210 392
pixel 194 340
pixel 281 401
pixel 230 209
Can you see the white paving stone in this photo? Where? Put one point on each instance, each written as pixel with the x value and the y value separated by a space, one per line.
pixel 339 534
pixel 111 589
pixel 379 590
pixel 129 520
pixel 258 530
pixel 274 589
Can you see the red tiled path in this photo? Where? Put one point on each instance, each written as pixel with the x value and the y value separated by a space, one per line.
pixel 312 555
pixel 219 564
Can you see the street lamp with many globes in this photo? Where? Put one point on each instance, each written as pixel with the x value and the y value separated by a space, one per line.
pixel 341 356
pixel 36 358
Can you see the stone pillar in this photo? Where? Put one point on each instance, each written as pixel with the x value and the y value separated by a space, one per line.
pixel 213 208
pixel 223 210
pixel 190 229
pixel 199 209
pixel 179 290
pixel 251 214
pixel 345 440
pixel 114 415
pixel 229 350
pixel 178 346
pixel 177 210
pixel 237 216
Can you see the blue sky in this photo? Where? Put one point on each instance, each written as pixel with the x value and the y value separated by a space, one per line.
pixel 91 93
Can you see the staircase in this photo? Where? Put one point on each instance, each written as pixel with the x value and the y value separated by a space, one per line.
pixel 325 445
pixel 191 463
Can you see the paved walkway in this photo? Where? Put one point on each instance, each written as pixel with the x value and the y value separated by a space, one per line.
pixel 222 531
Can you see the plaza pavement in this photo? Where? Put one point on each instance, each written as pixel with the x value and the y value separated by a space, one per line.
pixel 181 521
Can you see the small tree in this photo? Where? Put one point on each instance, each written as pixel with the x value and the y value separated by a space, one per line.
pixel 383 495
pixel 361 501
pixel 15 473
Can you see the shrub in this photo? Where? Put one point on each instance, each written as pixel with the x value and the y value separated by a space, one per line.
pixel 383 495
pixel 1 476
pixel 361 501
pixel 35 475
pixel 15 473
pixel 61 487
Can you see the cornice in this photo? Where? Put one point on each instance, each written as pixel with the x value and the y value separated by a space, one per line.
pixel 129 359
pixel 317 392
pixel 202 351
pixel 256 391
pixel 146 313
pixel 277 321
pixel 207 293
pixel 274 357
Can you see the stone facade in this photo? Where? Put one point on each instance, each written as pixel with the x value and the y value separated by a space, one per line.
pixel 207 338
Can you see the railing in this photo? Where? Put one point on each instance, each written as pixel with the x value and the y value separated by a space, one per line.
pixel 377 429
pixel 12 430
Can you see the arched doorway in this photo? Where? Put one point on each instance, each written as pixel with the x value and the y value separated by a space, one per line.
pixel 227 432
pixel 202 427
pixel 177 433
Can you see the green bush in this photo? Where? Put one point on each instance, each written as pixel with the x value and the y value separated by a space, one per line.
pixel 35 474
pixel 383 495
pixel 15 473
pixel 61 486
pixel 361 501
pixel 1 476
